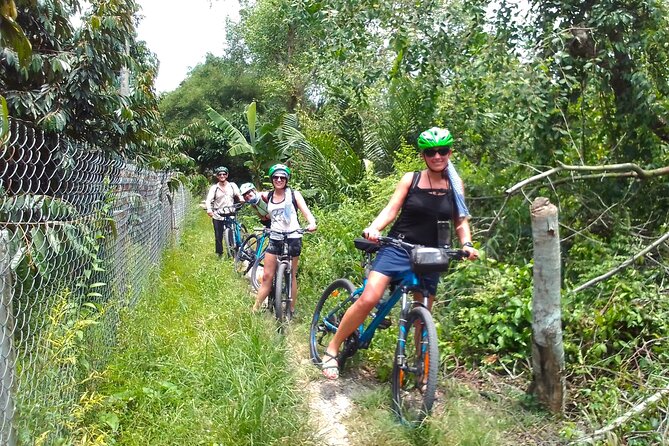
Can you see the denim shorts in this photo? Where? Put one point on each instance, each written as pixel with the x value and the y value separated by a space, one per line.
pixel 396 262
pixel 294 247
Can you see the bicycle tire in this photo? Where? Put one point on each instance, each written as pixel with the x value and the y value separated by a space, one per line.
pixel 246 255
pixel 257 271
pixel 333 303
pixel 228 243
pixel 414 378
pixel 281 293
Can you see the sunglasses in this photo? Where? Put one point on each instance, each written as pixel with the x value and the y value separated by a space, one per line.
pixel 431 152
pixel 279 178
pixel 221 173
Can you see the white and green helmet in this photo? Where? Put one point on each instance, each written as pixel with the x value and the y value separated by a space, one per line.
pixel 434 137
pixel 244 188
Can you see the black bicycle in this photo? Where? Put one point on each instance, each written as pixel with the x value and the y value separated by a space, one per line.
pixel 280 298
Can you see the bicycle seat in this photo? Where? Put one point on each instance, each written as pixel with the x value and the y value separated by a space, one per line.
pixel 366 245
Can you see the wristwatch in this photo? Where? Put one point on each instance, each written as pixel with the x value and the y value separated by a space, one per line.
pixel 468 244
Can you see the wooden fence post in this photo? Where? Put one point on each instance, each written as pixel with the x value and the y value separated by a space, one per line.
pixel 548 382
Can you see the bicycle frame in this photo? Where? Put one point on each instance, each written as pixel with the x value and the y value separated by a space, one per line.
pixel 410 282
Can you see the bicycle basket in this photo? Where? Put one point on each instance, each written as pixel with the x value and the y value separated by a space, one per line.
pixel 428 260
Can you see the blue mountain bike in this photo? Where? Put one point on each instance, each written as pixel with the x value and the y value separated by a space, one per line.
pixel 251 249
pixel 234 231
pixel 416 360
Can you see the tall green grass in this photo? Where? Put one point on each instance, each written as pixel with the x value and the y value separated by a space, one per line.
pixel 193 365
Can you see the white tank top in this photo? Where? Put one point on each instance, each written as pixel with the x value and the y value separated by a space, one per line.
pixel 283 215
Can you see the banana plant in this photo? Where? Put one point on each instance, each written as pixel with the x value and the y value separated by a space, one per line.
pixel 261 147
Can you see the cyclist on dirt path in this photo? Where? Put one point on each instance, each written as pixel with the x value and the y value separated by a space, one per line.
pixel 422 199
pixel 282 204
pixel 255 200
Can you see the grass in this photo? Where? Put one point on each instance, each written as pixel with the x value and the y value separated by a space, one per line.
pixel 193 365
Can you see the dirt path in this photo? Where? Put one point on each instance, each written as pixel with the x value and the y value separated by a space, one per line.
pixel 331 402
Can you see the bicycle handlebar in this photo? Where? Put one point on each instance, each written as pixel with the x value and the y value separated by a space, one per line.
pixel 455 254
pixel 285 233
pixel 229 211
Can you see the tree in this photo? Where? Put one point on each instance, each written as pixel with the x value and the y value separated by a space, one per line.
pixel 72 82
pixel 261 147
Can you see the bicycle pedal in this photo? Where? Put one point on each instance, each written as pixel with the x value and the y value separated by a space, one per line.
pixel 387 322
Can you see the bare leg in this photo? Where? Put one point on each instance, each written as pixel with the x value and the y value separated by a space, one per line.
pixel 268 274
pixel 354 316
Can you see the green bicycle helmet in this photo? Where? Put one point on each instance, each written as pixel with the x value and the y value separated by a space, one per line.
pixel 220 169
pixel 434 137
pixel 279 168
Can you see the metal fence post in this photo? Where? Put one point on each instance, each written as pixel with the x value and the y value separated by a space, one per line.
pixel 7 352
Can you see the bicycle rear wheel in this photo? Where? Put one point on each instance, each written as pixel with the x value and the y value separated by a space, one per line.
pixel 246 255
pixel 330 309
pixel 228 243
pixel 282 309
pixel 416 367
pixel 257 271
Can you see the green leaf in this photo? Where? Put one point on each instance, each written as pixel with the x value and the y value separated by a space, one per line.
pixel 111 420
pixel 4 120
pixel 251 119
pixel 13 37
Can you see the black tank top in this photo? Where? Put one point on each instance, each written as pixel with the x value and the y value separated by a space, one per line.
pixel 422 208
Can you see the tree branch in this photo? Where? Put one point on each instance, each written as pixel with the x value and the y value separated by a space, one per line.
pixel 639 408
pixel 623 265
pixel 609 170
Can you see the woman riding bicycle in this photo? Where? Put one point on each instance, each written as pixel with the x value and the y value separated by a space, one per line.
pixel 282 204
pixel 422 199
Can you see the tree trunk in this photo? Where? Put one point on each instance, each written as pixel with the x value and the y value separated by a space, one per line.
pixel 548 382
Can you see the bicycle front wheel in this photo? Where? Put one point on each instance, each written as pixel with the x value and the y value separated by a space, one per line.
pixel 330 309
pixel 282 309
pixel 416 366
pixel 246 255
pixel 257 271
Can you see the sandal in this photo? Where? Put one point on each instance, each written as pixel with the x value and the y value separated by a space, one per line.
pixel 333 369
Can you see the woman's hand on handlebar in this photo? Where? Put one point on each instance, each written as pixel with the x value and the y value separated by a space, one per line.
pixel 311 227
pixel 371 233
pixel 473 252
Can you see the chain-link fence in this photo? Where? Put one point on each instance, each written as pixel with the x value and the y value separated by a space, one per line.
pixel 80 231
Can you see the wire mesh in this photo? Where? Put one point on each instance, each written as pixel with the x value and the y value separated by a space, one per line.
pixel 80 233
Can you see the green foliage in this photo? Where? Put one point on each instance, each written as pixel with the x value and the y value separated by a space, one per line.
pixel 65 358
pixel 51 234
pixel 262 148
pixel 488 313
pixel 198 185
pixel 72 83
